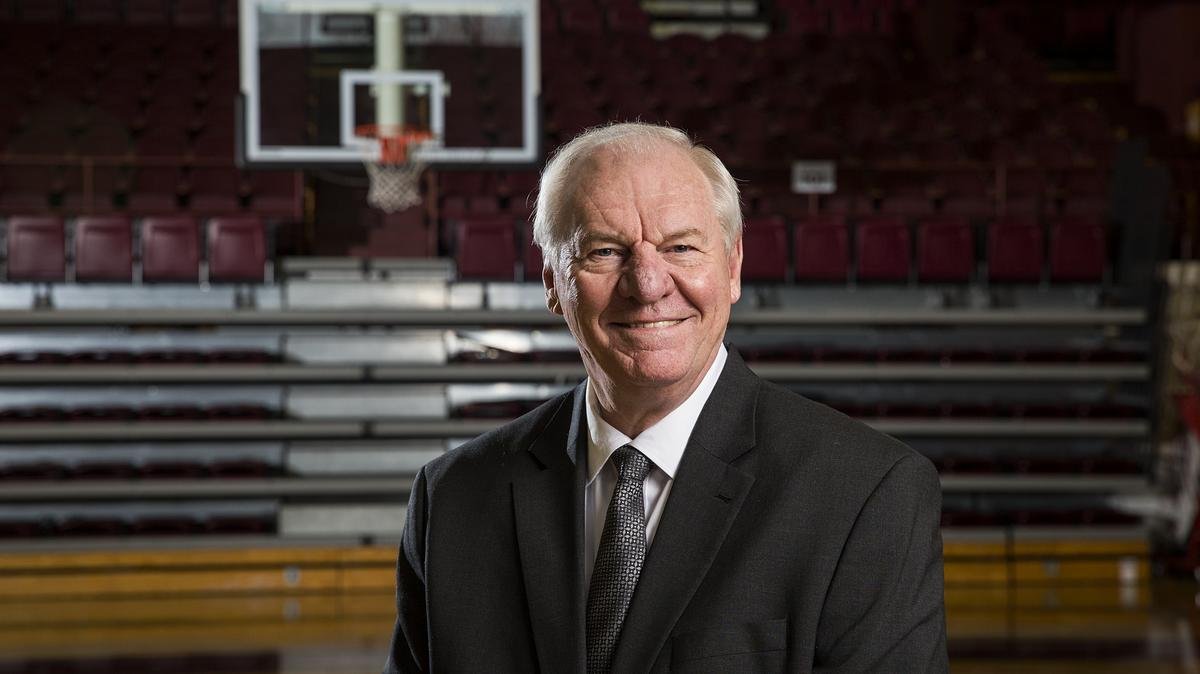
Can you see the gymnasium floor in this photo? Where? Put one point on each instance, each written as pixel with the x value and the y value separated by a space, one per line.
pixel 330 612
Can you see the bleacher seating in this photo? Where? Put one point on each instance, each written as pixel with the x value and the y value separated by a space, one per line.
pixel 103 248
pixel 765 250
pixel 1016 250
pixel 156 189
pixel 945 250
pixel 1078 250
pixel 170 249
pixel 236 250
pixel 884 249
pixel 113 124
pixel 532 257
pixel 35 249
pixel 485 248
pixel 930 161
pixel 216 190
pixel 822 249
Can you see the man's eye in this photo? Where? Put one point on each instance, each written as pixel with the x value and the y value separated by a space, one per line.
pixel 681 248
pixel 604 252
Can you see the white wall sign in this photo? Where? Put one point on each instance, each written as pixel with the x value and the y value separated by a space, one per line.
pixel 814 177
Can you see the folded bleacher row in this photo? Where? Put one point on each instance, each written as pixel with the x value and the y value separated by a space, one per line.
pixel 102 248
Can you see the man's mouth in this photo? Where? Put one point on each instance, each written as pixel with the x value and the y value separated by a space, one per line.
pixel 652 324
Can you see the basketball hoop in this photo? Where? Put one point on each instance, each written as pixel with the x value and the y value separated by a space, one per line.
pixel 396 173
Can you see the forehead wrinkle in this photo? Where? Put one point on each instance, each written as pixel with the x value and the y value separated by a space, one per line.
pixel 593 223
pixel 642 187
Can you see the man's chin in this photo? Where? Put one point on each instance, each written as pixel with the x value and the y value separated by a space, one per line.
pixel 649 373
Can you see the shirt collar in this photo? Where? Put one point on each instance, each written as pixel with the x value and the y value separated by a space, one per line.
pixel 664 442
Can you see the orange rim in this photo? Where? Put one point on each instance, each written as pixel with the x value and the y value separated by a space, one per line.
pixel 394 139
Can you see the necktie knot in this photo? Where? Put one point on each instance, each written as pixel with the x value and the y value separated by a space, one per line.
pixel 631 464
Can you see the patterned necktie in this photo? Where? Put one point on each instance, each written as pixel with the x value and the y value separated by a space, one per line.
pixel 619 559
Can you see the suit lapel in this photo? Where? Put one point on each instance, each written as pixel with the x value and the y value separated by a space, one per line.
pixel 548 508
pixel 705 497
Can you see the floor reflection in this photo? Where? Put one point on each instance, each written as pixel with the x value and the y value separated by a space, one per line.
pixel 1147 628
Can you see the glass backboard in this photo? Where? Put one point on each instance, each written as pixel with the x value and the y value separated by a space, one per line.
pixel 321 79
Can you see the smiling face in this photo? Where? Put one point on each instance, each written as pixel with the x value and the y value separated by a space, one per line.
pixel 647 283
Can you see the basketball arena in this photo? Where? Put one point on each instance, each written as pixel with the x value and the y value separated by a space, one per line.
pixel 260 261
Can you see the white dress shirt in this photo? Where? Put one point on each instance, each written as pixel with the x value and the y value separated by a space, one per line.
pixel 663 443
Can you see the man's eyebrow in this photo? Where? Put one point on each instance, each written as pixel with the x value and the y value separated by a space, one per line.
pixel 595 237
pixel 684 234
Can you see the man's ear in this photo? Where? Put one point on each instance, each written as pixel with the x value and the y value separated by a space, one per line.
pixel 735 271
pixel 551 291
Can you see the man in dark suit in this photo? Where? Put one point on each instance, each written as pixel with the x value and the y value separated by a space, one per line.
pixel 674 512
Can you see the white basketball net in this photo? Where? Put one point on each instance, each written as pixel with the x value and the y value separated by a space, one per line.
pixel 394 186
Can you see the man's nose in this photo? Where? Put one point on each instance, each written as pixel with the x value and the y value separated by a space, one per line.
pixel 646 277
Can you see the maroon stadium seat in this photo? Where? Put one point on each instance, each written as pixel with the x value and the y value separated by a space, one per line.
pixel 170 249
pixel 33 470
pixel 463 183
pixel 103 470
pixel 214 143
pixel 788 205
pixel 822 249
pixel 627 18
pixel 239 524
pixel 534 262
pixel 853 20
pixel 81 525
pixel 163 139
pixel 97 11
pixel 146 11
pixel 276 192
pixel 242 468
pixel 520 186
pixel 26 188
pixel 907 204
pixel 35 249
pixel 103 249
pixel 216 190
pixel 581 18
pixel 483 204
pixel 194 12
pixel 236 249
pixel 1016 251
pixel 806 20
pixel 454 206
pixel 945 250
pixel 968 205
pixel 485 249
pixel 884 247
pixel 172 525
pixel 156 189
pixel 1078 250
pixel 23 528
pixel 49 11
pixel 103 139
pixel 765 250
pixel 533 256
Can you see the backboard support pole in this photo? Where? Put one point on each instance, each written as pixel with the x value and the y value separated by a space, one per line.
pixel 389 57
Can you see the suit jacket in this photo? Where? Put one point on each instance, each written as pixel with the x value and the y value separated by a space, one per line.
pixel 794 539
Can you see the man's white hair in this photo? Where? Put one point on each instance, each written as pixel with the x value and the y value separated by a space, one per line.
pixel 555 224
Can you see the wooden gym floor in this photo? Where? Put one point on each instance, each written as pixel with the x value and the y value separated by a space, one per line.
pixel 328 610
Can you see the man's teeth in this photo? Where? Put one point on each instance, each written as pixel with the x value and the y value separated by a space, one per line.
pixel 655 324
